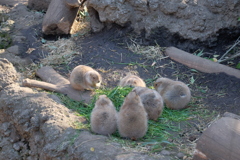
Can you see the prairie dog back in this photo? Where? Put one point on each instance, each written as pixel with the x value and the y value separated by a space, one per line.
pixel 152 102
pixel 104 116
pixel 132 80
pixel 85 77
pixel 132 117
pixel 176 94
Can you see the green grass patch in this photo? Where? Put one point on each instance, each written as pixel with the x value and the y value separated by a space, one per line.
pixel 159 132
pixel 5 40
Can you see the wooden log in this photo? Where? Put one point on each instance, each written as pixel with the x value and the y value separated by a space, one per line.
pixel 199 63
pixel 48 74
pixel 221 141
pixel 60 16
pixel 56 83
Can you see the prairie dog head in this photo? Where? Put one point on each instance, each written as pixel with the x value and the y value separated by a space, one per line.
pixel 103 100
pixel 162 83
pixel 133 97
pixel 93 78
pixel 132 81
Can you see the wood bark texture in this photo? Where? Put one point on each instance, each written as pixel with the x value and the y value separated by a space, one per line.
pixel 221 141
pixel 199 63
pixel 60 16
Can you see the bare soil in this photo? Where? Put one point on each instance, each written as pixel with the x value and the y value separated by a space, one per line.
pixel 108 52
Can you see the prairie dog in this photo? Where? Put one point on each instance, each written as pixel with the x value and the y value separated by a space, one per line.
pixel 132 118
pixel 175 94
pixel 85 77
pixel 132 80
pixel 104 116
pixel 152 102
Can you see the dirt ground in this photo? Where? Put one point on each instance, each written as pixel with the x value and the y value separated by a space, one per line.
pixel 108 52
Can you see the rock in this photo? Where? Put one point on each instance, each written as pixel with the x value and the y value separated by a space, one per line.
pixel 45 130
pixel 39 5
pixel 190 19
pixel 15 60
pixel 180 155
pixel 13 49
pixel 165 152
pixel 16 146
pixel 7 151
pixel 12 3
pixel 18 38
pixel 8 73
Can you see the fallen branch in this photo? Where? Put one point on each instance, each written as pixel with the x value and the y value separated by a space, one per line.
pixel 56 83
pixel 199 63
pixel 232 57
pixel 235 44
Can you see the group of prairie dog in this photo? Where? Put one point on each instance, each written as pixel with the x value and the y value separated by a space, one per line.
pixel 139 105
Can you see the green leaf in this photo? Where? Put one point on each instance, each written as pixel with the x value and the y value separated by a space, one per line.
pixel 200 53
pixel 192 80
pixel 238 66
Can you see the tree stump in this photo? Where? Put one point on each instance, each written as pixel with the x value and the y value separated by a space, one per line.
pixel 56 83
pixel 60 16
pixel 221 141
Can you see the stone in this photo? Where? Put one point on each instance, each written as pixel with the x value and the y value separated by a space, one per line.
pixel 13 49
pixel 54 137
pixel 193 20
pixel 39 5
pixel 16 146
pixel 8 73
pixel 180 155
pixel 165 152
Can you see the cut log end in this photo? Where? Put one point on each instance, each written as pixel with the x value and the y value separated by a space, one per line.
pixel 220 141
pixel 60 17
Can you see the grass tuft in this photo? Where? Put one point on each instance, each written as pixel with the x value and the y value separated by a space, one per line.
pixel 161 133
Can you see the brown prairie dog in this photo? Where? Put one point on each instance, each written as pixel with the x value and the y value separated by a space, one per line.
pixel 132 118
pixel 175 94
pixel 104 116
pixel 152 102
pixel 132 80
pixel 85 77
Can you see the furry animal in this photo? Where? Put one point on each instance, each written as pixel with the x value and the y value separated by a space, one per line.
pixel 85 77
pixel 132 80
pixel 152 102
pixel 176 94
pixel 104 116
pixel 132 118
